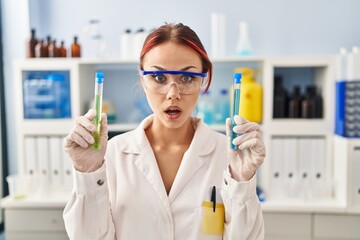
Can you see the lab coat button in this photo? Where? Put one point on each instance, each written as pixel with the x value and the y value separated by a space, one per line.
pixel 226 182
pixel 100 182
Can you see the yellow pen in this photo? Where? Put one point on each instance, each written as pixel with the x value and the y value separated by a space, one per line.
pixel 99 82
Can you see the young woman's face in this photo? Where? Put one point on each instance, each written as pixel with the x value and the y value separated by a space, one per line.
pixel 172 109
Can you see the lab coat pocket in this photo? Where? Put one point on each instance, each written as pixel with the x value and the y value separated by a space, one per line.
pixel 209 224
pixel 212 219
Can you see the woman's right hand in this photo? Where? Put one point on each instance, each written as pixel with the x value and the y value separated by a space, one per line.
pixel 78 144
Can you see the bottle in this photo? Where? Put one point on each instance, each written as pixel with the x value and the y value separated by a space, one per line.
pixel 341 65
pixel 280 98
pixel 243 47
pixel 40 50
pixel 308 103
pixel 206 108
pixel 295 103
pixel 75 48
pixel 251 96
pixel 139 39
pixel 62 50
pixel 218 41
pixel 30 45
pixel 53 50
pixel 126 45
pixel 46 46
pixel 222 107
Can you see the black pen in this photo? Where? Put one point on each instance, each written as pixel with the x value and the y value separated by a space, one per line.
pixel 213 197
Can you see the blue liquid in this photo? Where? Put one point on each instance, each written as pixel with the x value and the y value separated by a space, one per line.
pixel 236 105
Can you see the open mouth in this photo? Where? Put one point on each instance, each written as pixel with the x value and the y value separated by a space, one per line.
pixel 173 113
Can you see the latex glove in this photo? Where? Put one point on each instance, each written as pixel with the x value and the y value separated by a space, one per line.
pixel 250 152
pixel 78 144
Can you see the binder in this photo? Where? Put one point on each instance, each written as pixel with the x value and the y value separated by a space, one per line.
pixel 356 177
pixel 67 170
pixel 42 147
pixel 276 168
pixel 30 164
pixel 290 150
pixel 56 161
pixel 304 164
pixel 319 160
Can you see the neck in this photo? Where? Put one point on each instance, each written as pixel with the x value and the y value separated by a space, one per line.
pixel 160 135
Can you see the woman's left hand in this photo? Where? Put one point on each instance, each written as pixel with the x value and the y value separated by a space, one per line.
pixel 250 151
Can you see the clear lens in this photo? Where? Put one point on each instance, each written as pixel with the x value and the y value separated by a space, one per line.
pixel 187 83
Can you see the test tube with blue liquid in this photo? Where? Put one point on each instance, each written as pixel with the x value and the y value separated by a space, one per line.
pixel 99 82
pixel 235 106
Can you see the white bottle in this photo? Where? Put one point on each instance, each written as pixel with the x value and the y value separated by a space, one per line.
pixel 353 63
pixel 139 39
pixel 126 45
pixel 218 35
pixel 341 65
pixel 243 47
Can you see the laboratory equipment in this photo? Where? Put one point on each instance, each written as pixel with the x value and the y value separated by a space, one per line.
pixel 236 106
pixel 99 82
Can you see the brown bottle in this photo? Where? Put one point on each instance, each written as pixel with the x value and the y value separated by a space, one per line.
pixel 40 50
pixel 53 49
pixel 46 46
pixel 30 45
pixel 62 50
pixel 75 48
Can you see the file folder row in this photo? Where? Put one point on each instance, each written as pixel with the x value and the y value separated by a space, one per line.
pixel 45 160
pixel 299 168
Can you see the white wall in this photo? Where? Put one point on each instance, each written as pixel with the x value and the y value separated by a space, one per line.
pixel 276 26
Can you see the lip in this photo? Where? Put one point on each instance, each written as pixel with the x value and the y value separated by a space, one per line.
pixel 173 115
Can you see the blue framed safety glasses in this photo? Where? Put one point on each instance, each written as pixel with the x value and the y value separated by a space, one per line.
pixel 160 81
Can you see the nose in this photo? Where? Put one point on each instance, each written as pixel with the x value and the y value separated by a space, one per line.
pixel 173 91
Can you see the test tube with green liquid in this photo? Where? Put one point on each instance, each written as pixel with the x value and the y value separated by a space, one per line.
pixel 236 106
pixel 99 82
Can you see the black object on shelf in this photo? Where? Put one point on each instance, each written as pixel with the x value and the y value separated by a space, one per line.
pixel 280 104
pixel 312 104
pixel 295 103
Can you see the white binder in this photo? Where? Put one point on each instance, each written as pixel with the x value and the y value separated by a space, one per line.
pixel 356 177
pixel 290 150
pixel 276 168
pixel 30 163
pixel 56 161
pixel 304 164
pixel 67 170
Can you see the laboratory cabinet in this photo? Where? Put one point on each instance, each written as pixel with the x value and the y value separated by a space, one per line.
pixel 301 175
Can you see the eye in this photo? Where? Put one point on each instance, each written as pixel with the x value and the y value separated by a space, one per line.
pixel 159 78
pixel 187 78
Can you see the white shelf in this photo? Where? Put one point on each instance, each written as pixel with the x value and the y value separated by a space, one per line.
pixel 47 126
pixel 313 206
pixel 53 200
pixel 298 127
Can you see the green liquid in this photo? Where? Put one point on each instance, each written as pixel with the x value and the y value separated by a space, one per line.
pixel 97 121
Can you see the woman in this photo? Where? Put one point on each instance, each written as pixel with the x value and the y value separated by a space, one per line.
pixel 154 182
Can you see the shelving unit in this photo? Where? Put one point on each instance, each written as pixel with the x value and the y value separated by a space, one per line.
pixel 122 87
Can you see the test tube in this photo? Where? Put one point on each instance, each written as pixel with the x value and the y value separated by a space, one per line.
pixel 236 106
pixel 99 81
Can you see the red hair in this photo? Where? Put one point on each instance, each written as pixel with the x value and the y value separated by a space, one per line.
pixel 180 34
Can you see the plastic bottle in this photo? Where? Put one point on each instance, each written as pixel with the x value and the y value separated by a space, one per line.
pixel 30 45
pixel 341 65
pixel 222 107
pixel 139 39
pixel 218 33
pixel 243 47
pixel 206 108
pixel 251 96
pixel 295 103
pixel 75 48
pixel 62 50
pixel 126 45
pixel 280 98
pixel 353 63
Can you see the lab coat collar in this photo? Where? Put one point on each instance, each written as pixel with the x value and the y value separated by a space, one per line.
pixel 194 158
pixel 201 141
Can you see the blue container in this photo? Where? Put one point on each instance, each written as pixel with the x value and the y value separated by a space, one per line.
pixel 47 97
pixel 347 113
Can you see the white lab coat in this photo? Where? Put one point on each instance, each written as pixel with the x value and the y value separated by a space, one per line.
pixel 126 199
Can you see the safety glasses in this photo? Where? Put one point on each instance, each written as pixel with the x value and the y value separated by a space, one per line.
pixel 161 81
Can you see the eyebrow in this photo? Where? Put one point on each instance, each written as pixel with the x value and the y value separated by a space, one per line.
pixel 182 69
